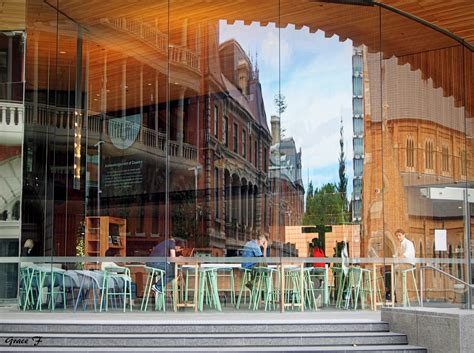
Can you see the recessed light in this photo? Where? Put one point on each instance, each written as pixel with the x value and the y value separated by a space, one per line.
pixel 62 52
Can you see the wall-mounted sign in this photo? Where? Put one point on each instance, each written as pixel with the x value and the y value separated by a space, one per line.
pixel 441 243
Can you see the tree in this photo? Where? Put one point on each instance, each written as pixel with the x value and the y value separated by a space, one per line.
pixel 342 185
pixel 325 207
pixel 280 103
pixel 309 193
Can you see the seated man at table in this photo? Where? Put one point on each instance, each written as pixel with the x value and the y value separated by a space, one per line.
pixel 253 248
pixel 166 248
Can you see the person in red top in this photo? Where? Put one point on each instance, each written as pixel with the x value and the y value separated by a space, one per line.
pixel 318 252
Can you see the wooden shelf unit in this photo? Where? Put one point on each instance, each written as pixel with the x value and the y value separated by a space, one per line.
pixel 105 232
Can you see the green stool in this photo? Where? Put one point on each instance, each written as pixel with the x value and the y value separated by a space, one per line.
pixel 292 290
pixel 340 286
pixel 26 297
pixel 246 275
pixel 154 275
pixel 263 288
pixel 208 288
pixel 312 274
pixel 406 298
pixel 116 274
pixel 227 272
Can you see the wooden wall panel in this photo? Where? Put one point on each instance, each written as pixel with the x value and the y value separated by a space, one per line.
pixel 12 15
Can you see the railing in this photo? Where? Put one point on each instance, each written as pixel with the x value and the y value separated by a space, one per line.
pixel 150 35
pixel 11 122
pixel 12 116
pixel 181 55
pixel 153 37
pixel 454 278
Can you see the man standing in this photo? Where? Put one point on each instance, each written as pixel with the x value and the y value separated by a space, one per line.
pixel 406 253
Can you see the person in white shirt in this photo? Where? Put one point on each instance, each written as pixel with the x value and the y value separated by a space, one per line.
pixel 407 254
pixel 407 248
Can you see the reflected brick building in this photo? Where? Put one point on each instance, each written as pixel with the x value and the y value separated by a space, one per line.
pixel 419 135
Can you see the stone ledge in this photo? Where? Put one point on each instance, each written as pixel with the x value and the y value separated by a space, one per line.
pixel 441 330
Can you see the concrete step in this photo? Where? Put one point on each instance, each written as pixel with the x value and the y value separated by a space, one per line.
pixel 208 334
pixel 261 339
pixel 147 327
pixel 326 349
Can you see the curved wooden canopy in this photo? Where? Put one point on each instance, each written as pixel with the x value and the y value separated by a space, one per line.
pixel 438 56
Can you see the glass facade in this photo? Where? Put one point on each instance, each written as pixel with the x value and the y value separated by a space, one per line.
pixel 129 124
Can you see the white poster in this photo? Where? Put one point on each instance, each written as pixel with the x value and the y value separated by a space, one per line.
pixel 441 243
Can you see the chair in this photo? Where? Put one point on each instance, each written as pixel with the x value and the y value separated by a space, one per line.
pixel 122 286
pixel 51 278
pixel 154 275
pixel 90 282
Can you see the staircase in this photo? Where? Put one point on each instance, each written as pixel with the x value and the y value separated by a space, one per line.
pixel 106 334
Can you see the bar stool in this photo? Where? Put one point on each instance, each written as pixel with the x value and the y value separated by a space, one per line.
pixel 406 298
pixel 154 275
pixel 208 288
pixel 246 275
pixel 263 287
pixel 292 290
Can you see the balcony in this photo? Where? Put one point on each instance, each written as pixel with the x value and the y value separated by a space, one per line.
pixel 153 37
pixel 11 123
pixel 121 133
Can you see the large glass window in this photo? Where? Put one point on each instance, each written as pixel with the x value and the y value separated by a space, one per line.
pixel 207 125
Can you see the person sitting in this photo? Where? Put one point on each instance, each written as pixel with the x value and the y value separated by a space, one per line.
pixel 253 249
pixel 318 251
pixel 167 249
pixel 27 249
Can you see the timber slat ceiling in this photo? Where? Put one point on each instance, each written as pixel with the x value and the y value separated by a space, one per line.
pixel 436 55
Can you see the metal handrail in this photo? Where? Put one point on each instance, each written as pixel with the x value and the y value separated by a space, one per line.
pixel 430 267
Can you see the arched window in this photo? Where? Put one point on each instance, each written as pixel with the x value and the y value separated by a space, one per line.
pixel 445 158
pixel 410 158
pixel 429 155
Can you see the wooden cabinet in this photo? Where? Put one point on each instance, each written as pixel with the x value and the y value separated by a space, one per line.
pixel 105 232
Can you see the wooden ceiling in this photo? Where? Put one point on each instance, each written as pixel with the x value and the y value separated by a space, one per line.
pixel 380 29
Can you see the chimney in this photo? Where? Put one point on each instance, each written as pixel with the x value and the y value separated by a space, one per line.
pixel 275 121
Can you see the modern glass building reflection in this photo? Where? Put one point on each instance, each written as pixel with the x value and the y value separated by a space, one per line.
pixel 125 123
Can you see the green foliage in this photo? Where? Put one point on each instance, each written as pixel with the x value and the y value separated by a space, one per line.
pixel 326 206
pixel 342 186
pixel 280 103
pixel 310 191
pixel 80 244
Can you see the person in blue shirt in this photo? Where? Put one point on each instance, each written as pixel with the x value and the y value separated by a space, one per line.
pixel 253 249
pixel 166 249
